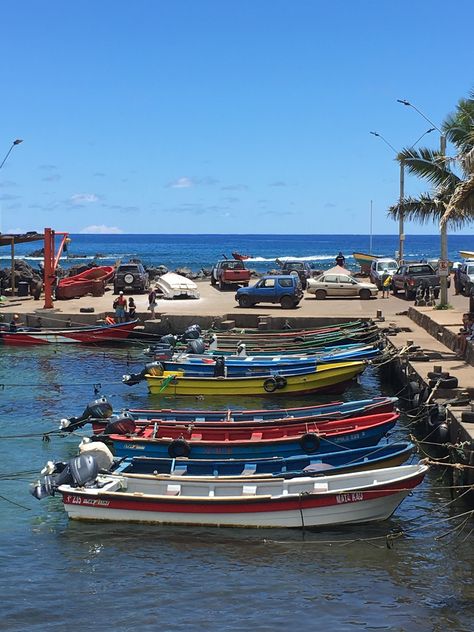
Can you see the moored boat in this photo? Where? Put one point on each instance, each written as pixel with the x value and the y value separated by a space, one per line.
pixel 88 334
pixel 300 502
pixel 254 442
pixel 328 378
pixel 364 260
pixel 385 455
pixel 99 413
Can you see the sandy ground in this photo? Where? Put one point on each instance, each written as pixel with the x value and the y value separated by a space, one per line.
pixel 216 303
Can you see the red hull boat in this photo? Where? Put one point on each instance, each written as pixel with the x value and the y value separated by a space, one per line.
pixel 90 281
pixel 94 334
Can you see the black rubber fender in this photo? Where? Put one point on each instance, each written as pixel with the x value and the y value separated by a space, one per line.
pixel 467 417
pixel 447 382
pixel 179 447
pixel 270 385
pixel 310 442
pixel 281 381
pixel 435 375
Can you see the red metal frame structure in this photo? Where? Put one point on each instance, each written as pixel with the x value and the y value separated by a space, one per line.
pixel 51 262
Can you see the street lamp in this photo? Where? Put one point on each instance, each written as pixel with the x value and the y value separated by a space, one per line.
pixel 443 262
pixel 15 142
pixel 401 233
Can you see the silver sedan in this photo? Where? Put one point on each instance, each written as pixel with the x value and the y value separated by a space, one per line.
pixel 341 285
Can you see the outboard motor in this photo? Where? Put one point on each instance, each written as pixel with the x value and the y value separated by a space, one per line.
pixel 99 408
pixel 169 339
pixel 79 471
pixel 153 368
pixel 241 350
pixel 220 368
pixel 191 333
pixel 99 451
pixel 122 425
pixel 160 352
pixel 196 346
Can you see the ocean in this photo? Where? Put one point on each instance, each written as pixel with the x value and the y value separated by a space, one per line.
pixel 57 574
pixel 198 251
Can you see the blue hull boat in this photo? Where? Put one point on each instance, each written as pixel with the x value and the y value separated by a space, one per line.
pixel 385 455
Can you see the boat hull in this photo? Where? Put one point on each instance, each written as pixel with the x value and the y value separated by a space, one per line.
pixel 72 335
pixel 314 504
pixel 329 378
pixel 354 436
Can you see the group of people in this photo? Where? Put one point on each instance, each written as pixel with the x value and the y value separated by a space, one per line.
pixel 466 334
pixel 127 311
pixel 124 311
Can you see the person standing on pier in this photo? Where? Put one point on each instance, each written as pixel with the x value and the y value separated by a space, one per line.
pixel 340 260
pixel 152 303
pixel 120 305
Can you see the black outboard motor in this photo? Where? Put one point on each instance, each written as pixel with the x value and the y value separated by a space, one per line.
pixel 99 408
pixel 196 346
pixel 153 368
pixel 191 333
pixel 121 425
pixel 80 471
pixel 169 339
pixel 219 367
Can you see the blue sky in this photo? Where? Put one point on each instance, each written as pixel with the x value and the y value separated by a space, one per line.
pixel 202 116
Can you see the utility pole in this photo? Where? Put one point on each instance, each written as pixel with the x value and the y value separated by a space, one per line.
pixel 443 267
pixel 401 230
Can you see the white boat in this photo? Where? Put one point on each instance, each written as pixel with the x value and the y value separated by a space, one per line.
pixel 173 285
pixel 350 498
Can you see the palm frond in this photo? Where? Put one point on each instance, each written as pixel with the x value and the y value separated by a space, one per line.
pixel 430 165
pixel 423 209
pixel 460 209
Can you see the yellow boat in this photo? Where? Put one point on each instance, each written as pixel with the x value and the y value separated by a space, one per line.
pixel 329 378
pixel 467 254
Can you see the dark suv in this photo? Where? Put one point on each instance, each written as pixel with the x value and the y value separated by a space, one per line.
pixel 302 268
pixel 131 276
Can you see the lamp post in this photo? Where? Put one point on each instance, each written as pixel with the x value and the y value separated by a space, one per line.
pixel 14 143
pixel 443 263
pixel 401 232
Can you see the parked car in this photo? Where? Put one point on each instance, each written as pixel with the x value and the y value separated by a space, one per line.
pixel 341 285
pixel 378 267
pixel 284 289
pixel 410 276
pixel 230 272
pixel 466 277
pixel 302 268
pixel 131 276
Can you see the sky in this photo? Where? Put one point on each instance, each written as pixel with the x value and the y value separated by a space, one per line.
pixel 221 116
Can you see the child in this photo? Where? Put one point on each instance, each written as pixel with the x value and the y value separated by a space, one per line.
pixel 152 303
pixel 386 283
pixel 132 308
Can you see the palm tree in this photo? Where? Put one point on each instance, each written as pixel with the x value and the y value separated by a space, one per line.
pixel 452 197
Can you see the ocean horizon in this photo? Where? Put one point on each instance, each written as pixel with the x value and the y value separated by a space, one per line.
pixel 197 251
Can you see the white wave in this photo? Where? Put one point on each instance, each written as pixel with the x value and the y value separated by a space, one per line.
pixel 293 258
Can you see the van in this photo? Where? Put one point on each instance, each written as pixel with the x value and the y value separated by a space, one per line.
pixel 378 267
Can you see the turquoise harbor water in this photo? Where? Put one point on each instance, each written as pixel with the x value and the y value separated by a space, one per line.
pixel 58 575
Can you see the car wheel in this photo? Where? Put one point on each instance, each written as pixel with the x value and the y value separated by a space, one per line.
pixel 409 294
pixel 394 290
pixel 244 301
pixel 213 281
pixel 221 285
pixel 287 302
pixel 364 294
pixel 320 295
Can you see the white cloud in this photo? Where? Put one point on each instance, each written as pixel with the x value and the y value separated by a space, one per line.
pixel 101 229
pixel 81 198
pixel 181 183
